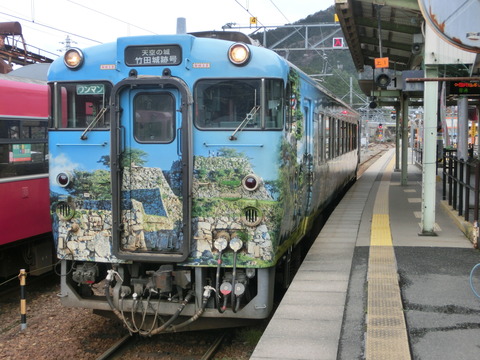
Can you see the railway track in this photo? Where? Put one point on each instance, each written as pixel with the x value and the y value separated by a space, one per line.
pixel 127 345
pixel 377 152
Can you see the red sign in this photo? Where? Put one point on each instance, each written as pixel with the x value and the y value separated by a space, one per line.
pixel 337 42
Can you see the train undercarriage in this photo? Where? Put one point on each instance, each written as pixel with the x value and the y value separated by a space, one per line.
pixel 169 298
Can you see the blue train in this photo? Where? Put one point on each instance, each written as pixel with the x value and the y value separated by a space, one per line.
pixel 184 172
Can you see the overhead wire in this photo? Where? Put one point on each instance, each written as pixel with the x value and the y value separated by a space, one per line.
pixel 112 17
pixel 325 59
pixel 9 15
pixel 51 27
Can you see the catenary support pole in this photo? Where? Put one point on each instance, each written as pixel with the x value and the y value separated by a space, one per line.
pixel 397 137
pixel 404 164
pixel 462 133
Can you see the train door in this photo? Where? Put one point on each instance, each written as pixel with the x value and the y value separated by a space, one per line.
pixel 151 184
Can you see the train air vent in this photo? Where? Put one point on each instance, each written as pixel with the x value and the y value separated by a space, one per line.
pixel 251 216
pixel 65 211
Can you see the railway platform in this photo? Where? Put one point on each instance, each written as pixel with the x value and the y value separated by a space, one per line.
pixel 371 287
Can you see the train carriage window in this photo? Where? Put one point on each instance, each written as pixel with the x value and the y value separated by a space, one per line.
pixel 23 147
pixel 342 133
pixel 289 107
pixel 333 138
pixel 227 103
pixel 355 136
pixel 350 137
pixel 328 151
pixel 79 105
pixel 339 137
pixel 154 117
pixel 321 137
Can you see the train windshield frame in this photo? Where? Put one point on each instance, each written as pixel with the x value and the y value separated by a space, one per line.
pixel 224 104
pixel 82 105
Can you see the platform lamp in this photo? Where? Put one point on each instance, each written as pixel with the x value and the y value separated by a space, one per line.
pixel 382 80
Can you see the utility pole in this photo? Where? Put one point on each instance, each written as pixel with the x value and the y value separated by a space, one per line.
pixel 68 44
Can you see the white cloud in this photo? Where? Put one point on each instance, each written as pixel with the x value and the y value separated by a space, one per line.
pixel 106 20
pixel 60 163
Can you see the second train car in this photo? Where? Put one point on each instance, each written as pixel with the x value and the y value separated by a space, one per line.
pixel 183 170
pixel 25 237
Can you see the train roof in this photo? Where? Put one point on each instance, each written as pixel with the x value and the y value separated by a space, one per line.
pixel 16 92
pixel 234 36
pixel 19 79
pixel 33 72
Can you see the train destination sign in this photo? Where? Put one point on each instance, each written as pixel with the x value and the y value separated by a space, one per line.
pixel 153 55
pixel 91 89
pixel 465 87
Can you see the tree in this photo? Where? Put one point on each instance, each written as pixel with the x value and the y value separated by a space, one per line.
pixel 133 156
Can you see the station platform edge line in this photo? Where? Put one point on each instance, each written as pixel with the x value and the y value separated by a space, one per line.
pixel 386 336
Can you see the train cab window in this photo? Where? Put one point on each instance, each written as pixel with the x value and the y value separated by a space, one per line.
pixel 81 105
pixel 154 117
pixel 274 104
pixel 229 103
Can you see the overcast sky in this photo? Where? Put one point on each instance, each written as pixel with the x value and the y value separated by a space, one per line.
pixel 46 23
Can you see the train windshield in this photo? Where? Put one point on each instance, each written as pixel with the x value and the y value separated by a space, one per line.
pixel 226 103
pixel 81 106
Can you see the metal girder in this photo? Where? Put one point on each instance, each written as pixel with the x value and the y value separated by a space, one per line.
pixel 345 13
pixel 387 93
pixel 309 42
pixel 387 26
pixel 400 61
pixel 400 4
pixel 387 44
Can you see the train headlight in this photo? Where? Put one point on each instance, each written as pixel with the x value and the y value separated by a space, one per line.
pixel 64 179
pixel 73 58
pixel 239 54
pixel 251 182
pixel 235 244
pixel 221 240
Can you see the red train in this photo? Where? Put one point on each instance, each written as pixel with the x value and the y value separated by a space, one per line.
pixel 25 236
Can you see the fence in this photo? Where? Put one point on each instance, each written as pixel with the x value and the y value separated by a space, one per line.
pixel 461 180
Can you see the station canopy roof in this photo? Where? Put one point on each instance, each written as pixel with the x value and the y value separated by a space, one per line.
pixel 398 21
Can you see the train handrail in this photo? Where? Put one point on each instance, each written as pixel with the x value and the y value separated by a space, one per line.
pixel 23 178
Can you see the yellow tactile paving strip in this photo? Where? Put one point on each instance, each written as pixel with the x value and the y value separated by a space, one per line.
pixel 386 329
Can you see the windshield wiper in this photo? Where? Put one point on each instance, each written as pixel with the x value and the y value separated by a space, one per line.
pixel 93 123
pixel 245 121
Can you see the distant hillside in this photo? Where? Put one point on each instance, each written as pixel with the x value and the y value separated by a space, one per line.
pixel 337 63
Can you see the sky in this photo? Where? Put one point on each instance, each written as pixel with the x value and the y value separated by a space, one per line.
pixel 47 23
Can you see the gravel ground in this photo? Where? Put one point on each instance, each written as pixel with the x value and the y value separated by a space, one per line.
pixel 53 332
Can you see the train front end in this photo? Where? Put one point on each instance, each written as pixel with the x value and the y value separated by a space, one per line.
pixel 169 176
